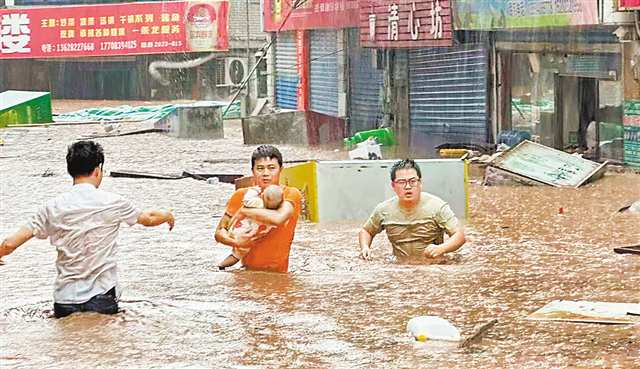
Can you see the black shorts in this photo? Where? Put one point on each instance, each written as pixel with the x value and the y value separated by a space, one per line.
pixel 103 304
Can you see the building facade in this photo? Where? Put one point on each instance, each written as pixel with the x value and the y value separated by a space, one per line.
pixel 320 67
pixel 558 70
pixel 127 76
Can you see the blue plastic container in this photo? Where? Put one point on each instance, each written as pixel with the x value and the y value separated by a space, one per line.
pixel 512 138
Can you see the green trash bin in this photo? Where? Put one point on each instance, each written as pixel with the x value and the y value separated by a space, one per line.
pixel 383 136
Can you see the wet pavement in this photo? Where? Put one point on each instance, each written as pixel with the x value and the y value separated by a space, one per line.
pixel 332 310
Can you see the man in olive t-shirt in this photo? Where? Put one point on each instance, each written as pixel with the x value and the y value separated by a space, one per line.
pixel 415 221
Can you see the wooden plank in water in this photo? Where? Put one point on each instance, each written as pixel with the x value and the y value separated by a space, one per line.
pixel 635 249
pixel 478 333
pixel 222 177
pixel 587 312
pixel 135 174
pixel 128 133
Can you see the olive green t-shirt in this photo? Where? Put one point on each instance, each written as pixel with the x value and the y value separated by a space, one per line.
pixel 410 232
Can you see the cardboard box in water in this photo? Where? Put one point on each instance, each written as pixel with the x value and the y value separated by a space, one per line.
pixel 24 107
pixel 197 122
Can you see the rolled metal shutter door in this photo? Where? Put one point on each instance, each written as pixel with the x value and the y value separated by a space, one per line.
pixel 286 71
pixel 448 93
pixel 324 72
pixel 366 87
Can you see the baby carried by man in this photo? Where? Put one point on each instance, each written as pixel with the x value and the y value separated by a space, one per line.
pixel 271 198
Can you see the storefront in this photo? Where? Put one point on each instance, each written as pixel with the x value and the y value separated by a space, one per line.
pixel 566 92
pixel 103 52
pixel 558 71
pixel 445 96
pixel 310 54
pixel 323 72
pixel 366 88
pixel 286 71
pixel 448 95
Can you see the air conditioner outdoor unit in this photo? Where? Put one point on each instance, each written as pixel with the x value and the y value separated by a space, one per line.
pixel 235 70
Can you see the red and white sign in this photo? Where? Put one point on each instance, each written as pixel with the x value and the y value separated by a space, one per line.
pixel 302 59
pixel 405 23
pixel 628 4
pixel 312 14
pixel 115 29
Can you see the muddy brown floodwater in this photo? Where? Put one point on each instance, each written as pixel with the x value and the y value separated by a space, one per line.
pixel 332 310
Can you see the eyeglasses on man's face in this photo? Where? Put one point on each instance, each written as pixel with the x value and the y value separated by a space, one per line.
pixel 403 182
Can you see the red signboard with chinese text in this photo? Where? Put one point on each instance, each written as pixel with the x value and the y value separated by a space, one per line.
pixel 405 23
pixel 628 4
pixel 312 14
pixel 115 29
pixel 302 59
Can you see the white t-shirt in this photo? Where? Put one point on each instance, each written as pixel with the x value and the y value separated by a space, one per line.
pixel 83 225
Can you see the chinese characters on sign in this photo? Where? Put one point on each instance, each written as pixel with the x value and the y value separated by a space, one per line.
pixel 372 27
pixel 414 23
pixel 436 19
pixel 311 14
pixel 405 23
pixel 15 34
pixel 392 28
pixel 118 29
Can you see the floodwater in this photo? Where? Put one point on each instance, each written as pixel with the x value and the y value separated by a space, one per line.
pixel 332 310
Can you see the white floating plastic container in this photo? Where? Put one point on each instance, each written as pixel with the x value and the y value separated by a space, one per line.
pixel 424 328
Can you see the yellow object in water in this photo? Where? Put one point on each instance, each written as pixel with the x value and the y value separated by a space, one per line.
pixel 452 153
pixel 1 142
pixel 421 338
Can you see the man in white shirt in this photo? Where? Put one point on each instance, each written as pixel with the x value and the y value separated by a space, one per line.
pixel 83 225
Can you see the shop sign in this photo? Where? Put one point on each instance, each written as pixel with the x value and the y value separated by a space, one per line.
pixel 496 14
pixel 311 14
pixel 605 67
pixel 632 113
pixel 114 29
pixel 405 23
pixel 629 4
pixel 632 145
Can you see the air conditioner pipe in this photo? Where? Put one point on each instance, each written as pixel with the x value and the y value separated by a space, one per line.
pixel 164 64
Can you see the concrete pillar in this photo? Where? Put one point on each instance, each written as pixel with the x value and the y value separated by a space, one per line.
pixel 271 70
pixel 396 107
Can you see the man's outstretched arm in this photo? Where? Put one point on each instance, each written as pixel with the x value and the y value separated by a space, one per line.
pixel 152 218
pixel 11 243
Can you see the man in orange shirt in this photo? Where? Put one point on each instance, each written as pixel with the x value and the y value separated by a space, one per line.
pixel 268 249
